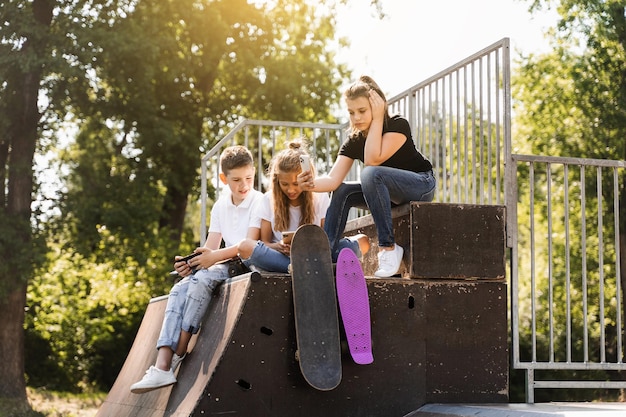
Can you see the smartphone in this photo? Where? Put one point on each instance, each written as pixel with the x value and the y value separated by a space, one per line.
pixel 287 236
pixel 185 259
pixel 305 163
pixel 188 257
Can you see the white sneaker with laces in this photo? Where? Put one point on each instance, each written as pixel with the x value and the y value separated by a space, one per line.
pixel 176 360
pixel 153 379
pixel 389 262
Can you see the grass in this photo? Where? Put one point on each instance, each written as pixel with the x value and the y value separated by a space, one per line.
pixel 53 404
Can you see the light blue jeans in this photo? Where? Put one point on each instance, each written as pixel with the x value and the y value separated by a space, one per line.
pixel 269 259
pixel 380 188
pixel 188 302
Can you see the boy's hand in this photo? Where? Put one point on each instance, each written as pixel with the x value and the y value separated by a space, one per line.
pixel 186 265
pixel 207 258
pixel 182 267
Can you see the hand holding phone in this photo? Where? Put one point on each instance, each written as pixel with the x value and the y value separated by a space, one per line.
pixel 185 259
pixel 305 163
pixel 287 236
pixel 188 257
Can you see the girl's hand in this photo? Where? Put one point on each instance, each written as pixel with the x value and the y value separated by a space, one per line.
pixel 378 106
pixel 285 248
pixel 306 181
pixel 281 247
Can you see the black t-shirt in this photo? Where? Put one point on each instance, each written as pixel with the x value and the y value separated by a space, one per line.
pixel 407 157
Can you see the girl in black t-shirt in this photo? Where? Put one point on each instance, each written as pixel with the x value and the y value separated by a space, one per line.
pixel 395 172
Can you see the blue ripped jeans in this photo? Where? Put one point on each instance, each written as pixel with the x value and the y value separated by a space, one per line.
pixel 188 302
pixel 380 188
pixel 269 259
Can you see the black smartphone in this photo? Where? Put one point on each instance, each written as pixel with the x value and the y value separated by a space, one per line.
pixel 188 257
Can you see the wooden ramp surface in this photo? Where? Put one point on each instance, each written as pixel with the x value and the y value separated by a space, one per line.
pixel 196 370
pixel 434 342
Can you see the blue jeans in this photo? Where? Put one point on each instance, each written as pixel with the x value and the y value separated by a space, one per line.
pixel 269 259
pixel 379 189
pixel 188 302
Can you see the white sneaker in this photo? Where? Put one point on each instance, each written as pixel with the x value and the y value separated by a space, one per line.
pixel 176 360
pixel 389 262
pixel 153 379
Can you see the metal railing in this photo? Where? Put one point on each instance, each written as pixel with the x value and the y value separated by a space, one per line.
pixel 566 291
pixel 461 121
pixel 264 139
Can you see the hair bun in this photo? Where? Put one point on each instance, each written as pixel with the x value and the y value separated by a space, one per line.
pixel 295 144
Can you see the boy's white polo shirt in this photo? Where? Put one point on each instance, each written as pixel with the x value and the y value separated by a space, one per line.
pixel 232 221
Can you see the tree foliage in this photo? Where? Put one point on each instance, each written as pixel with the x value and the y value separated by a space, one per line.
pixel 146 86
pixel 571 102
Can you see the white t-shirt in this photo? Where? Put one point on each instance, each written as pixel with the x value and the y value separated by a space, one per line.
pixel 321 201
pixel 233 221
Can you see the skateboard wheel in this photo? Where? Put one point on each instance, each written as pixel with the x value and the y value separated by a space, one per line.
pixel 297 355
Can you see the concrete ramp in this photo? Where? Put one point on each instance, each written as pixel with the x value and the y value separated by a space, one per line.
pixel 193 377
pixel 522 410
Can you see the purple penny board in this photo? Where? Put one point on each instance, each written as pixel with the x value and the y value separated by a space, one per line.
pixel 354 306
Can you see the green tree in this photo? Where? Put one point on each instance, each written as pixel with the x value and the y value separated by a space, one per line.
pixel 24 51
pixel 572 102
pixel 150 83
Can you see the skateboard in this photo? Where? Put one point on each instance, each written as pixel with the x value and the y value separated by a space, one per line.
pixel 354 306
pixel 315 308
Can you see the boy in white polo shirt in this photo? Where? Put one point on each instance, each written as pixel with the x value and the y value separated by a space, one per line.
pixel 189 298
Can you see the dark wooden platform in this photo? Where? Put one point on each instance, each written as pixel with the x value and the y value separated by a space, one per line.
pixel 443 241
pixel 435 340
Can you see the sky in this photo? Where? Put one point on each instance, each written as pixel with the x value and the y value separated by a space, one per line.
pixel 419 38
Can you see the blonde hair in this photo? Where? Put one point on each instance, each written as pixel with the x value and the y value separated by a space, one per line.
pixel 288 161
pixel 362 88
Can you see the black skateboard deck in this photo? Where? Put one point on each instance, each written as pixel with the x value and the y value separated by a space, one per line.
pixel 315 308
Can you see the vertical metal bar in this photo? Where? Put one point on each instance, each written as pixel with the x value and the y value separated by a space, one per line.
pixel 498 127
pixel 601 266
pixel 438 139
pixel 585 290
pixel 327 160
pixel 489 134
pixel 260 158
pixel 506 85
pixel 481 133
pixel 473 126
pixel 568 301
pixel 515 313
pixel 458 136
pixel 618 271
pixel 530 386
pixel 203 200
pixel 550 262
pixel 465 134
pixel 490 180
pixel 449 134
pixel 533 266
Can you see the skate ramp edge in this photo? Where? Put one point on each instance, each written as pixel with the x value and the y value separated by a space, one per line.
pixel 206 351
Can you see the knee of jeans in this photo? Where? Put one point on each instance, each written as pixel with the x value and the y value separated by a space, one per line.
pixel 429 196
pixel 175 290
pixel 369 173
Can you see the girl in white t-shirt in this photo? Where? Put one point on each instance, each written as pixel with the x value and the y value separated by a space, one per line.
pixel 284 208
